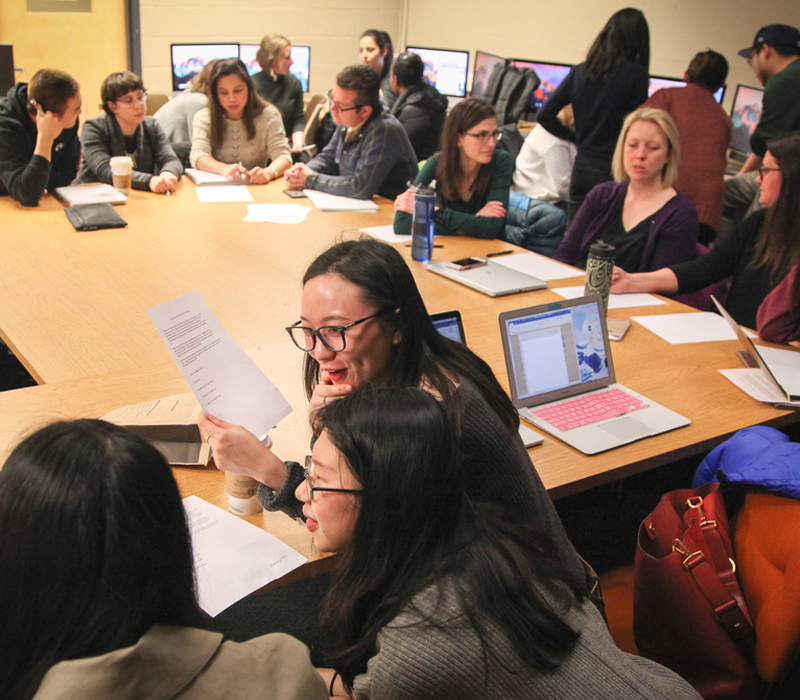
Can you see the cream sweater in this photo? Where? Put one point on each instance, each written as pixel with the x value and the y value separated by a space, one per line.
pixel 268 145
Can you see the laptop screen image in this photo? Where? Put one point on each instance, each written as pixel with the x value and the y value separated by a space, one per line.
pixel 556 350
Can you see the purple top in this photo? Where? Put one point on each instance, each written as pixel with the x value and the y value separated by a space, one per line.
pixel 673 228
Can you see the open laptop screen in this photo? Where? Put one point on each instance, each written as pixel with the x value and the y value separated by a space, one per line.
pixel 448 323
pixel 556 350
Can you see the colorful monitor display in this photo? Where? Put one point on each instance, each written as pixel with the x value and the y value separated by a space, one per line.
pixel 188 60
pixel 550 74
pixel 484 65
pixel 745 113
pixel 658 82
pixel 301 61
pixel 445 69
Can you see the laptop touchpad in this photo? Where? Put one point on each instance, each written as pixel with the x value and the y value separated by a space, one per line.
pixel 627 428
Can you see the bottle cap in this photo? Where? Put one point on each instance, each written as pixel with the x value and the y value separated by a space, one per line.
pixel 599 249
pixel 425 191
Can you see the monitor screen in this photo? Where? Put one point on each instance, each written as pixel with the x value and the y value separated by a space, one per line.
pixel 188 60
pixel 484 65
pixel 657 82
pixel 301 61
pixel 550 74
pixel 446 70
pixel 745 113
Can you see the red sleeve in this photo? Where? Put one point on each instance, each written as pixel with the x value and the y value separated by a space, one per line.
pixel 775 319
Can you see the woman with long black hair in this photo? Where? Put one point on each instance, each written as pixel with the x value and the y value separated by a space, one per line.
pixel 434 596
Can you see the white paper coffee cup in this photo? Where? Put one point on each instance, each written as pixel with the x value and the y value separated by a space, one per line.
pixel 122 173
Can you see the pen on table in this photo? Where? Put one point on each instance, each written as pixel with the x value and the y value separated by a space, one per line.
pixel 435 245
pixel 498 253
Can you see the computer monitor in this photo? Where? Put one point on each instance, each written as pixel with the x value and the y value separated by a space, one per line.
pixel 551 76
pixel 445 69
pixel 301 61
pixel 745 113
pixel 657 82
pixel 7 75
pixel 188 60
pixel 484 65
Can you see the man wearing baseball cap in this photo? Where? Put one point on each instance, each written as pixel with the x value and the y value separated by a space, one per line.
pixel 773 58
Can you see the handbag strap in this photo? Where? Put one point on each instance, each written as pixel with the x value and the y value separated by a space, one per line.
pixel 715 576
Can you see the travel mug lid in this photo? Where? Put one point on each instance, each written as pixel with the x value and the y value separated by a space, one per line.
pixel 599 249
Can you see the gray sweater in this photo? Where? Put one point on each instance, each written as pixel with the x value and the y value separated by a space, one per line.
pixel 102 138
pixel 420 659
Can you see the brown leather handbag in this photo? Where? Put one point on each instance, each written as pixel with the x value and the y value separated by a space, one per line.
pixel 689 613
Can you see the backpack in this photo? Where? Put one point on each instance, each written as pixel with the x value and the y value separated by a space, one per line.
pixel 509 89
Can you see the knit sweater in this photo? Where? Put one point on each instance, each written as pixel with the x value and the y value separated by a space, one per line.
pixel 456 215
pixel 102 139
pixel 268 145
pixel 704 132
pixel 497 469
pixel 444 659
pixel 672 237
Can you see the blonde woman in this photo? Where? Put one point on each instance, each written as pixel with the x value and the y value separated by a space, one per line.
pixel 640 213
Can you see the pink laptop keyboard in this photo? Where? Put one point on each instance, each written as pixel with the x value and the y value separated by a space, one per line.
pixel 589 408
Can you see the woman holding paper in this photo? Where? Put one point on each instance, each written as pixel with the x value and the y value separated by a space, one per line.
pixel 434 596
pixel 98 588
pixel 238 136
pixel 363 323
pixel 758 254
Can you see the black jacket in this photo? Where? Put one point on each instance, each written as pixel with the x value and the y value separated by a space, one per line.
pixel 421 110
pixel 22 174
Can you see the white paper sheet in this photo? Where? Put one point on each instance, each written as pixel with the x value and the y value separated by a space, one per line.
pixel 223 193
pixel 223 378
pixel 332 202
pixel 615 301
pixel 232 557
pixel 752 381
pixel 785 367
pixel 277 213
pixel 676 329
pixel 538 265
pixel 386 234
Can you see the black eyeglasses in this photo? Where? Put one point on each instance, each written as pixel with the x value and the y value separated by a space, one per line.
pixel 329 95
pixel 332 337
pixel 762 171
pixel 310 484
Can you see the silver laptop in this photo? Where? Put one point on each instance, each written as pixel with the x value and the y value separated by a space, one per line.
pixel 561 350
pixel 492 279
pixel 753 356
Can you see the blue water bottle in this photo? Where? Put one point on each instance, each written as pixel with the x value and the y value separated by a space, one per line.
pixel 423 224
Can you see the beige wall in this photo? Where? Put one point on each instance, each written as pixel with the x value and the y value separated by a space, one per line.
pixel 330 27
pixel 88 45
pixel 562 31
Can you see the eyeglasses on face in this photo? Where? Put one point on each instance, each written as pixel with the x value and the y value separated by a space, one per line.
pixel 332 337
pixel 130 99
pixel 313 489
pixel 485 136
pixel 762 171
pixel 329 95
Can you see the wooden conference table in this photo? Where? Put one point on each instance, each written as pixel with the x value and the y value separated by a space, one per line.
pixel 73 309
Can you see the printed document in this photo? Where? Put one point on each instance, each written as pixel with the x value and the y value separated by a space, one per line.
pixel 224 379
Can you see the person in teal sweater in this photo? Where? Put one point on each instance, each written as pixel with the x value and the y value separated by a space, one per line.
pixel 472 176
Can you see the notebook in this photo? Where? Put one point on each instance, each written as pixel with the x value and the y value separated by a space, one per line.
pixel 203 177
pixel 784 377
pixel 561 350
pixel 96 193
pixel 493 279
